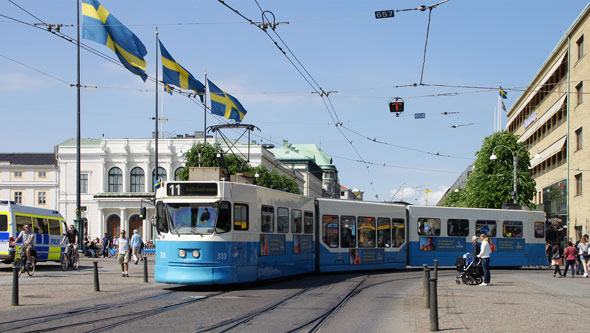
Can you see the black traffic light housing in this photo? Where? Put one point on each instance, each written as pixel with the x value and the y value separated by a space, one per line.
pixel 142 213
pixel 396 105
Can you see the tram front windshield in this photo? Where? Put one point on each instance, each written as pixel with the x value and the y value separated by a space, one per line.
pixel 191 218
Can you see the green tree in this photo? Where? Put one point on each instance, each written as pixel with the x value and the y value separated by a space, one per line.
pixel 491 182
pixel 454 198
pixel 205 155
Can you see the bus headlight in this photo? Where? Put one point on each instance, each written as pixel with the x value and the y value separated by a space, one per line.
pixel 182 253
pixel 196 253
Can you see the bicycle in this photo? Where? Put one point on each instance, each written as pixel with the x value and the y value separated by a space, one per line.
pixel 23 265
pixel 72 259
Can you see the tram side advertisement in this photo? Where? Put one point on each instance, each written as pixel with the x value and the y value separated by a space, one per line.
pixel 442 244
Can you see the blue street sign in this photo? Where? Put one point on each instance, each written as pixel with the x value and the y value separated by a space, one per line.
pixel 419 115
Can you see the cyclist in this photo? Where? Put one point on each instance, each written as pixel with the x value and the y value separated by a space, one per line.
pixel 28 237
pixel 72 237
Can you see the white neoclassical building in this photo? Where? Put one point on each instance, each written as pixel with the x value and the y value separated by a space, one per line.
pixel 116 177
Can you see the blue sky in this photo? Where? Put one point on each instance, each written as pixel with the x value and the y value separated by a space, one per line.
pixel 342 46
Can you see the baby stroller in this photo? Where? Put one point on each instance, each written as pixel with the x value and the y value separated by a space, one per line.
pixel 470 270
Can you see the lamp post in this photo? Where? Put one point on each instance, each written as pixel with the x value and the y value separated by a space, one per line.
pixel 514 193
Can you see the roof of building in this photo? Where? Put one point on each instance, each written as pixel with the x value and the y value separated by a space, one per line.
pixel 303 152
pixel 28 158
pixel 83 142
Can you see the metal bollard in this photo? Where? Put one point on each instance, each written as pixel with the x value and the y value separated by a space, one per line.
pixel 427 288
pixel 145 270
pixel 425 281
pixel 433 305
pixel 436 268
pixel 14 284
pixel 96 283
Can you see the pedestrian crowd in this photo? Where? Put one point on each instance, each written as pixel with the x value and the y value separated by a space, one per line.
pixel 576 257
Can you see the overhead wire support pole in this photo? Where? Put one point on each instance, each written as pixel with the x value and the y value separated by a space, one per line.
pixel 78 220
pixel 156 173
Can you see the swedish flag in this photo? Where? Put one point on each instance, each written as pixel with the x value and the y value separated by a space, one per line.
pixel 176 75
pixel 224 104
pixel 102 27
pixel 157 183
pixel 503 93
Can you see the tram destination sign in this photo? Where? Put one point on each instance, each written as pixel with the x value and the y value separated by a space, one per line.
pixel 192 189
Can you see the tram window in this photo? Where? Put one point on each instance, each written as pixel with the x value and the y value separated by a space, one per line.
pixel 240 217
pixel 539 229
pixel 428 226
pixel 308 223
pixel 21 221
pixel 268 216
pixel 283 220
pixel 399 232
pixel 41 226
pixel 512 229
pixel 347 231
pixel 366 231
pixel 161 218
pixel 487 227
pixel 3 223
pixel 330 227
pixel 383 232
pixel 296 221
pixel 223 218
pixel 54 227
pixel 457 227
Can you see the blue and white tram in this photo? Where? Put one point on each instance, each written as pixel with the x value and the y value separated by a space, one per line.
pixel 222 232
pixel 517 237
pixel 360 235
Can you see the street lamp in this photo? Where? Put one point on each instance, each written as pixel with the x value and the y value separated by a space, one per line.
pixel 493 157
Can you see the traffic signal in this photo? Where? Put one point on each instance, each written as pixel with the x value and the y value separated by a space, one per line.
pixel 142 213
pixel 396 106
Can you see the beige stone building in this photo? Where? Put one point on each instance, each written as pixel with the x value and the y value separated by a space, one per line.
pixel 550 117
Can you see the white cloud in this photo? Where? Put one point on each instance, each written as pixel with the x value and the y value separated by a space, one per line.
pixel 418 196
pixel 20 82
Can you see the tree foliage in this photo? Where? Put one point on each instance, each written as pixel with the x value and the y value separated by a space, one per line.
pixel 491 182
pixel 205 155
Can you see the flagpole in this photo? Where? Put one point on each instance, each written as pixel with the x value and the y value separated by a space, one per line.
pixel 78 163
pixel 205 112
pixel 156 120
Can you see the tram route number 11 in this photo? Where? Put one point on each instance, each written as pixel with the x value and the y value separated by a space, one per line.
pixel 384 14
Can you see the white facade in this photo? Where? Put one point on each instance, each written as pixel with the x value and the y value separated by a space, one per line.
pixel 29 184
pixel 113 189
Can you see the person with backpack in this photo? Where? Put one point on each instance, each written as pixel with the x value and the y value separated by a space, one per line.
pixel 556 259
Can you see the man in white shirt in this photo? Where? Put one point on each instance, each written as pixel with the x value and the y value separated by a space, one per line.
pixel 124 251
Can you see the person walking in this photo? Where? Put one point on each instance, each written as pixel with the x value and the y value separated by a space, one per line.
pixel 136 242
pixel 124 254
pixel 475 247
pixel 106 245
pixel 583 248
pixel 548 253
pixel 556 259
pixel 484 254
pixel 570 255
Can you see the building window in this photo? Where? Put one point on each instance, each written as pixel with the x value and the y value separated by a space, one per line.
pixel 18 197
pixel 42 174
pixel 580 44
pixel 579 93
pixel 161 175
pixel 115 180
pixel 137 180
pixel 42 198
pixel 177 173
pixel 579 184
pixel 83 183
pixel 579 139
pixel 18 174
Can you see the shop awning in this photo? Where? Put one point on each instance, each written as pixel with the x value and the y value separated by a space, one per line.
pixel 546 116
pixel 549 152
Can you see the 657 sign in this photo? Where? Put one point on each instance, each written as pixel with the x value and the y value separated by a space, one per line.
pixel 384 14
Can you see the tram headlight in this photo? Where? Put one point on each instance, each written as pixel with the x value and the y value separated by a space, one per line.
pixel 196 254
pixel 182 253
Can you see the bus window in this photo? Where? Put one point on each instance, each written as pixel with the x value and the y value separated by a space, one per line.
pixel 3 223
pixel 539 229
pixel 54 227
pixel 457 227
pixel 487 227
pixel 268 215
pixel 330 226
pixel 223 218
pixel 21 221
pixel 347 231
pixel 428 226
pixel 367 232
pixel 383 232
pixel 308 223
pixel 41 226
pixel 296 221
pixel 399 232
pixel 283 220
pixel 512 229
pixel 240 217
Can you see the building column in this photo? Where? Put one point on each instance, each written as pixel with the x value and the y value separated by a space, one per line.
pixel 148 178
pixel 125 177
pixel 101 223
pixel 103 181
pixel 124 222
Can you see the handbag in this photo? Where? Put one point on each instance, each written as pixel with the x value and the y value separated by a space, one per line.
pixel 556 255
